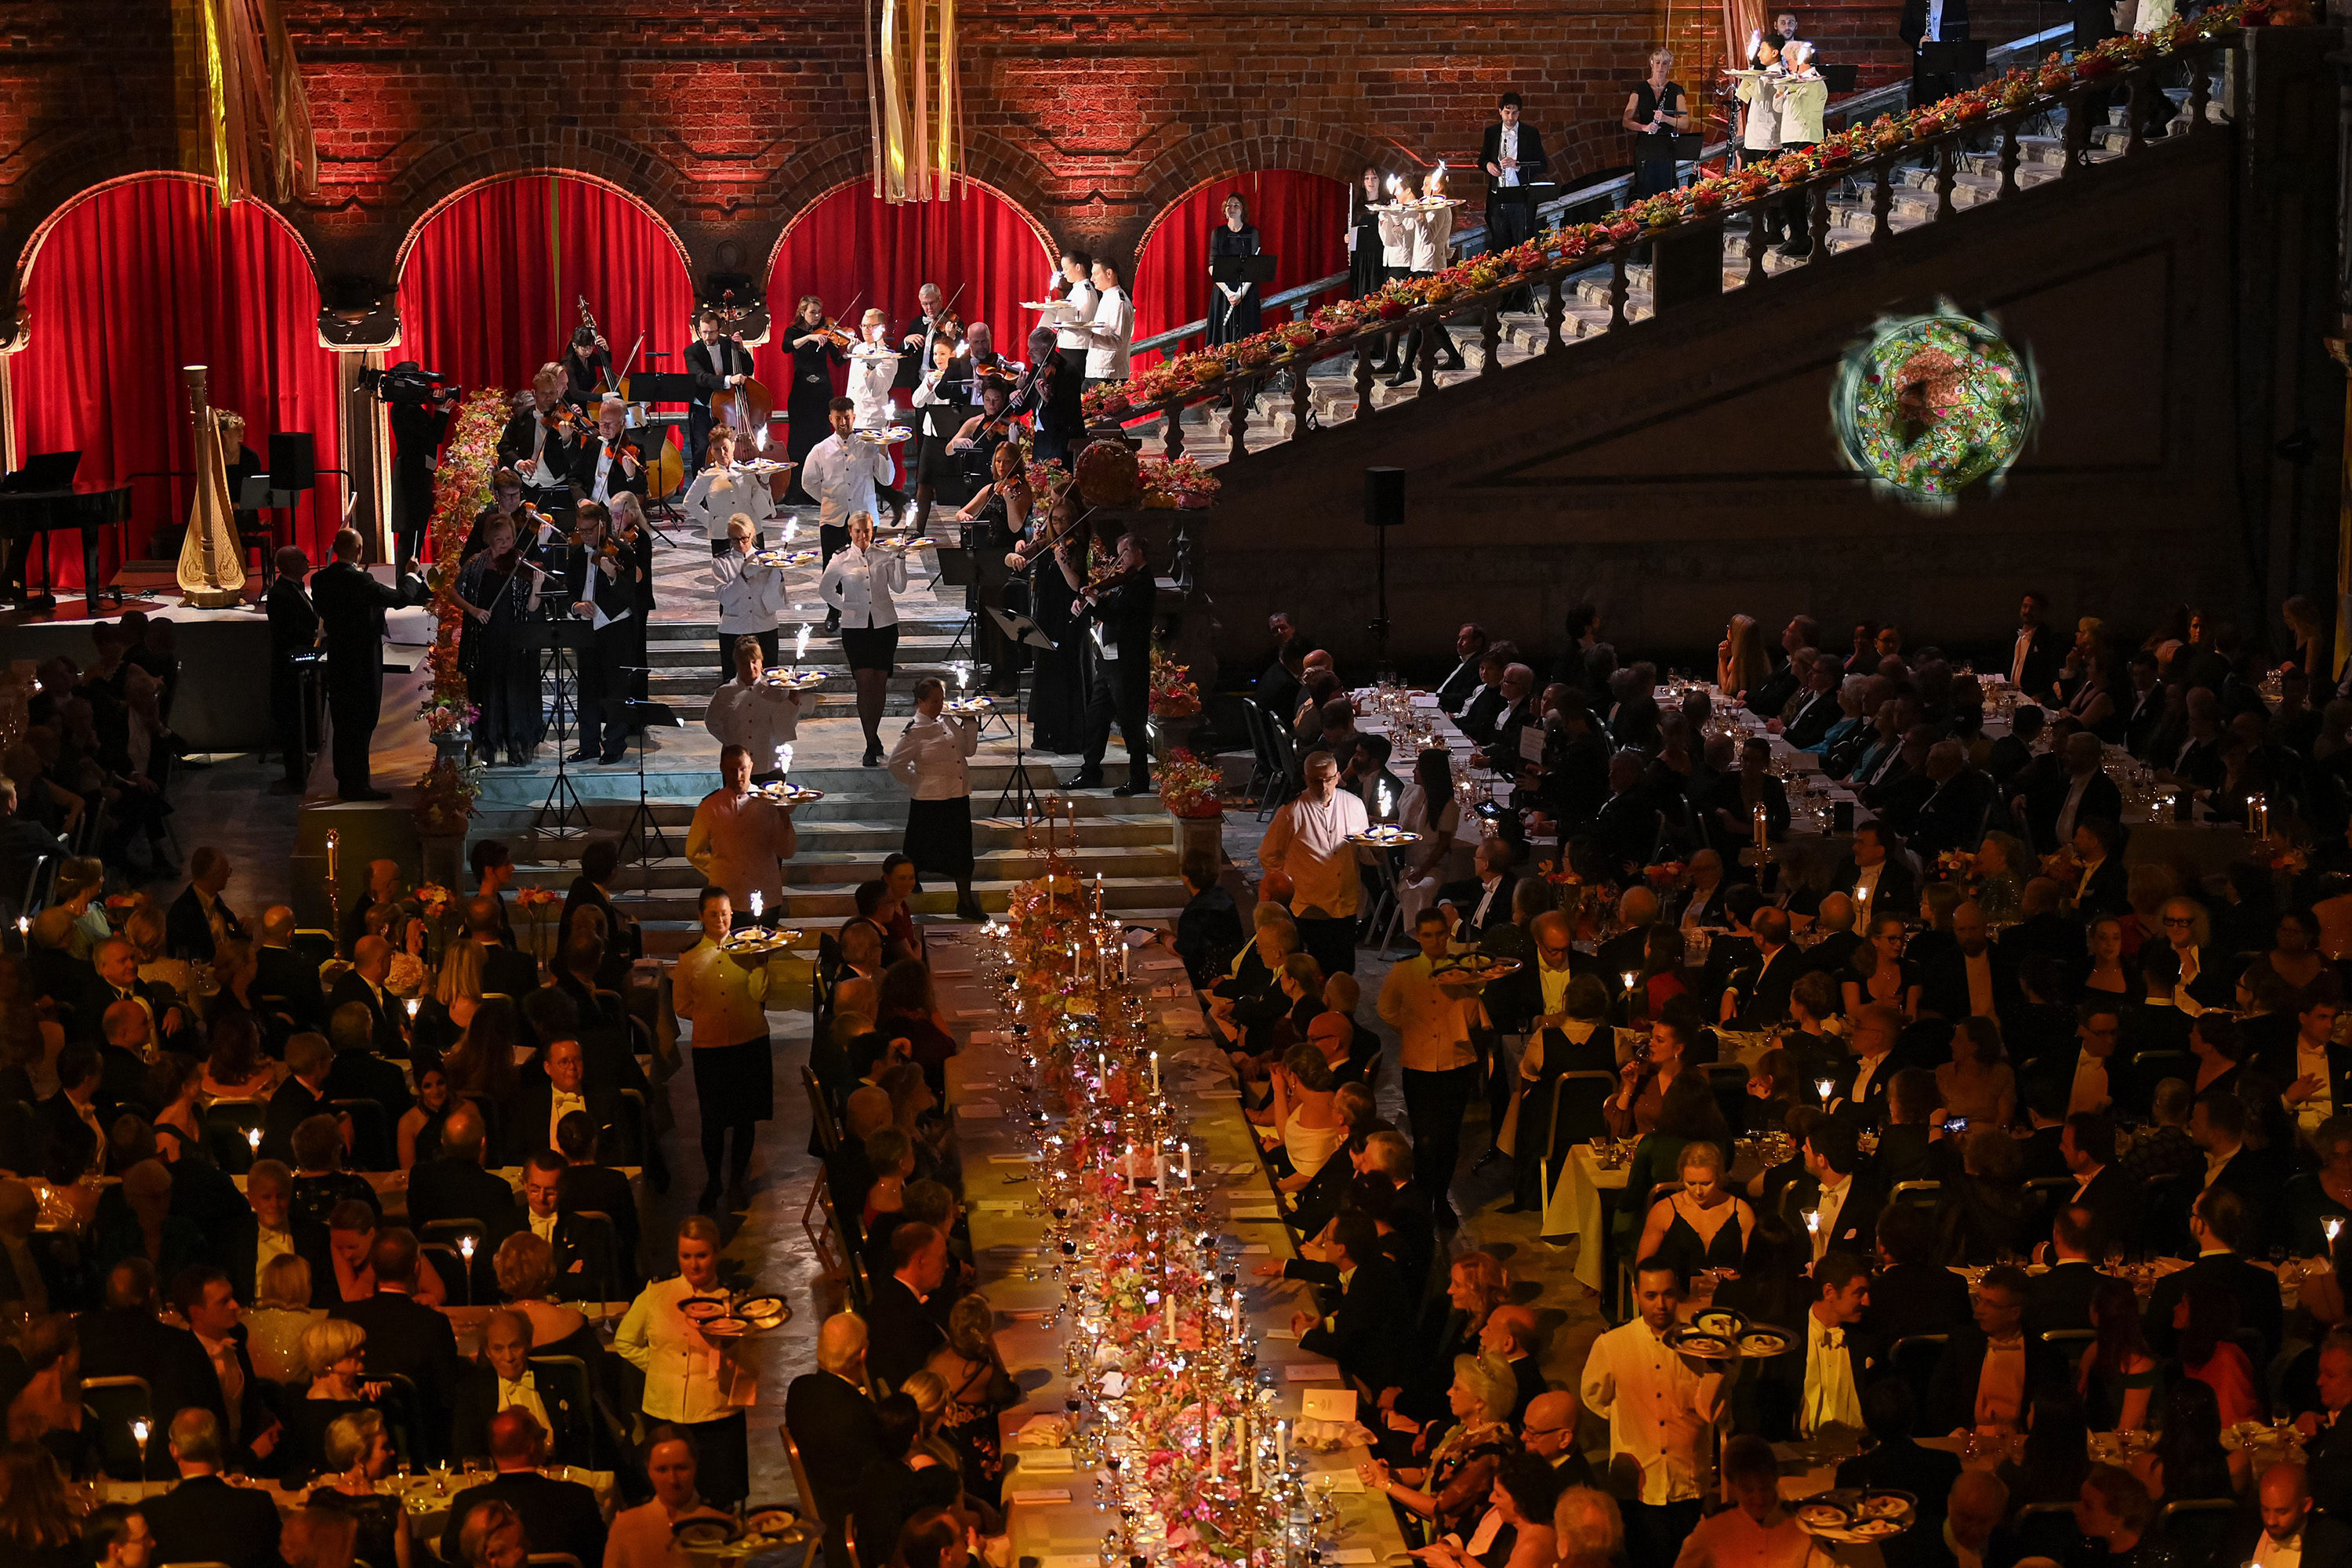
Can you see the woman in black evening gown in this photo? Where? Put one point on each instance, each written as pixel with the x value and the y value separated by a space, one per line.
pixel 1654 114
pixel 814 353
pixel 1234 307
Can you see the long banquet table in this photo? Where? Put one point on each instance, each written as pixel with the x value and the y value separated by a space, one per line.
pixel 1058 1516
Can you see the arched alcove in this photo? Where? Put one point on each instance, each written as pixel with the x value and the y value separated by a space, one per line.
pixel 1301 219
pixel 126 284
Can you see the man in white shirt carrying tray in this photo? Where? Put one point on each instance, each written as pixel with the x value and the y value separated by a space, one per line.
pixel 1661 1408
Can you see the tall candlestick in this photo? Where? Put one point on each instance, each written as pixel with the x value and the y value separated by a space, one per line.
pixel 1250 1443
pixel 1130 1167
pixel 1155 1075
pixel 1281 1445
pixel 1167 1316
pixel 1187 1149
pixel 1098 895
pixel 1214 1422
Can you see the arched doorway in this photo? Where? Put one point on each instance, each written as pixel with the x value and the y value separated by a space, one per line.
pixel 1301 219
pixel 491 281
pixel 128 283
pixel 982 250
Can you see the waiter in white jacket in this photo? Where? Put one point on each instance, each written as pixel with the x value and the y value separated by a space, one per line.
pixel 1113 328
pixel 857 587
pixel 1074 301
pixel 842 473
pixel 750 596
pixel 763 719
pixel 933 760
pixel 721 490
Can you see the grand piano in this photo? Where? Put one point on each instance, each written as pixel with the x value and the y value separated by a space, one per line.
pixel 40 498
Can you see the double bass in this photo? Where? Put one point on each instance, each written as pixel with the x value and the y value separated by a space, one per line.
pixel 748 408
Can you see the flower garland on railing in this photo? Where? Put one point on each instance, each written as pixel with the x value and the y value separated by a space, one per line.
pixel 1182 483
pixel 1183 379
pixel 461 489
pixel 1174 693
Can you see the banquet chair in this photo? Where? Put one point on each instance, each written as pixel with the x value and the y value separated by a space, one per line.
pixel 2194 1527
pixel 372 1148
pixel 1914 1357
pixel 117 1402
pixel 1577 1101
pixel 2074 1343
pixel 818 1209
pixel 227 1123
pixel 1922 1194
pixel 563 1384
pixel 2044 1528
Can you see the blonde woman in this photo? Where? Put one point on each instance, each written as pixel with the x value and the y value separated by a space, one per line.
pixel 1741 665
pixel 333 1351
pixel 857 587
pixel 280 1315
pixel 358 1455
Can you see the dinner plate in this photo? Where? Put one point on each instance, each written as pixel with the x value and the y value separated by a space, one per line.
pixel 778 559
pixel 765 466
pixel 796 681
pixel 1763 1342
pixel 727 1328
pixel 1690 1342
pixel 763 1309
pixel 1720 1320
pixel 798 795
pixel 886 435
pixel 924 543
pixel 702 1535
pixel 1474 968
pixel 969 705
pixel 1386 836
pixel 701 1309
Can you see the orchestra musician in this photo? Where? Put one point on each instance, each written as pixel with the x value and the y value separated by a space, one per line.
pixel 871 369
pixel 751 598
pixel 499 590
pixel 635 534
pixel 980 351
pixel 1117 610
pixel 587 368
pixel 599 584
pixel 606 463
pixel 1513 157
pixel 722 490
pixel 815 346
pixel 914 343
pixel 716 363
pixel 994 520
pixel 939 401
pixel 1057 697
pixel 1234 307
pixel 1051 390
pixel 535 530
pixel 540 452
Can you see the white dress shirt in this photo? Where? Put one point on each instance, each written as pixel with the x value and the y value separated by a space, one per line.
pixel 1108 336
pixel 1508 147
pixel 524 1396
pixel 751 598
pixel 1645 1390
pixel 1074 324
pixel 2091 1091
pixel 1830 1392
pixel 1827 1207
pixel 608 458
pixel 2017 658
pixel 2272 1552
pixel 757 718
pixel 859 583
pixel 688 1378
pixel 1432 230
pixel 842 472
pixel 2065 826
pixel 1935 33
pixel 2000 1385
pixel 2311 1061
pixel 1396 241
pixel 559 1106
pixel 1865 890
pixel 932 756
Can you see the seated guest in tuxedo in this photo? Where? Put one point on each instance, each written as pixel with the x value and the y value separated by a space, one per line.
pixel 204 1518
pixel 2059 1297
pixel 365 983
pixel 1815 1384
pixel 2219 1226
pixel 1912 1294
pixel 832 1421
pixel 559 1091
pixel 500 1380
pixel 457 1186
pixel 587 1264
pixel 197 918
pixel 589 1183
pixel 904 1315
pixel 1483 902
pixel 1989 1368
pixel 405 1337
pixel 1365 1328
pixel 299 1096
pixel 504 969
pixel 284 975
pixel 556 1515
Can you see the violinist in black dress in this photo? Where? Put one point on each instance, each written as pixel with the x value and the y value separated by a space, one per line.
pixel 815 347
pixel 499 590
pixel 1234 307
pixel 1057 697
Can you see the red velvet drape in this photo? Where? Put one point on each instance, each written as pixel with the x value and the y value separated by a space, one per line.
pixel 1301 219
pixel 491 287
pixel 134 282
pixel 980 250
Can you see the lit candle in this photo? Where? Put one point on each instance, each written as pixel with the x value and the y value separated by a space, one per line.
pixel 1130 1167
pixel 1186 1149
pixel 412 1005
pixel 253 1139
pixel 465 1246
pixel 2333 1225
pixel 1097 875
pixel 1813 1222
pixel 800 643
pixel 1252 1447
pixel 1167 1316
pixel 1281 1445
pixel 1155 1075
pixel 1760 843
pixel 1826 1086
pixel 1213 1423
pixel 1629 977
pixel 755 903
pixel 784 758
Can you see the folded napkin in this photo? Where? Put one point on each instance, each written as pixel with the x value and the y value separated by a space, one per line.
pixel 1348 1555
pixel 969 1015
pixel 981 1109
pixel 1037 1461
pixel 1045 1495
pixel 1307 1372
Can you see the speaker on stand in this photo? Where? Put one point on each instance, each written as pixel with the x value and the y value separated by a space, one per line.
pixel 1383 509
pixel 293 466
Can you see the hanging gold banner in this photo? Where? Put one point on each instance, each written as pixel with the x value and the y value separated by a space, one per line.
pixel 918 115
pixel 246 120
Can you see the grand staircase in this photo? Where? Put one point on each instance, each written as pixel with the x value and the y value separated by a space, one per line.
pixel 1914 202
pixel 844 838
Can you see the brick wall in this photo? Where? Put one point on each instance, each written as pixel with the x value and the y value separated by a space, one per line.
pixel 729 117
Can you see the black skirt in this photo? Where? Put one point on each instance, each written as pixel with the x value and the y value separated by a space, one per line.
pixel 871 647
pixel 939 836
pixel 734 1085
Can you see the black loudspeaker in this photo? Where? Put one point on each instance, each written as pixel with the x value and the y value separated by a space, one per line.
pixel 1383 498
pixel 293 462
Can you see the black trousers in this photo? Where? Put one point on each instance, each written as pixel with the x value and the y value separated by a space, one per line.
pixel 830 543
pixel 1435 1101
pixel 411 507
pixel 698 436
pixel 722 1457
pixel 353 703
pixel 726 641
pixel 1654 1532
pixel 286 719
pixel 1118 688
pixel 1796 216
pixel 1331 943
pixel 604 683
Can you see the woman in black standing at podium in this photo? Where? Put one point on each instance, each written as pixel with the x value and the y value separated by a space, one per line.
pixel 1655 114
pixel 1232 307
pixel 815 347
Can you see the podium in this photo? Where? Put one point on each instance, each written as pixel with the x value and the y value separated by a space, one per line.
pixel 1233 269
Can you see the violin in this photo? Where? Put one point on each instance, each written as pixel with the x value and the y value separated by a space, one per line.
pixel 566 418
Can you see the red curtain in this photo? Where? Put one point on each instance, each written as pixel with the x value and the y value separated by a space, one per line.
pixel 1302 219
pixel 136 281
pixel 980 250
pixel 491 287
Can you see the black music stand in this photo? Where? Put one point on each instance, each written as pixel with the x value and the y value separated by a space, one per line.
pixel 957 571
pixel 1840 78
pixel 557 639
pixel 1258 270
pixel 641 822
pixel 1018 628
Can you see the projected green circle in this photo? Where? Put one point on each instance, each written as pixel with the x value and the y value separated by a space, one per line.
pixel 1933 404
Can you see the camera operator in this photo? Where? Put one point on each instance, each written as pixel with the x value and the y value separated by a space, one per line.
pixel 420 422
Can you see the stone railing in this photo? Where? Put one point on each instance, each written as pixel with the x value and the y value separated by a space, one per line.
pixel 1686 227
